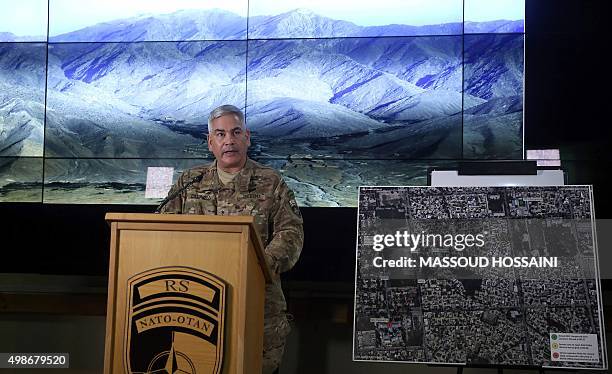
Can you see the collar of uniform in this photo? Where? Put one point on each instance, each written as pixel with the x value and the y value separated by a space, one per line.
pixel 211 183
pixel 241 180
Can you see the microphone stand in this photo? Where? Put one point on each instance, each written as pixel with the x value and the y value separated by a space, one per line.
pixel 172 196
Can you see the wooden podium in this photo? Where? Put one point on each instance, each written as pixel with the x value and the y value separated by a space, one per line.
pixel 185 292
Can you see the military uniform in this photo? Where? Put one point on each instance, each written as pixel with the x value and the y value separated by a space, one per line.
pixel 258 191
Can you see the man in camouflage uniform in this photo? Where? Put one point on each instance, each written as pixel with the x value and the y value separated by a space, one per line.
pixel 233 184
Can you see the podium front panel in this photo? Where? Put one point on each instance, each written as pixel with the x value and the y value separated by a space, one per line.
pixel 145 250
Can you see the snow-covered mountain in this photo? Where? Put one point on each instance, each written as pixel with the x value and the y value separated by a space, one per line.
pixel 218 24
pixel 213 24
pixel 303 23
pixel 497 26
pixel 8 37
pixel 22 98
pixel 494 65
pixel 353 74
pixel 117 99
pixel 152 99
pixel 299 23
pixel 349 85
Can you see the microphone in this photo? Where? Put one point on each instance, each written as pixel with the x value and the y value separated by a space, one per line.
pixel 171 197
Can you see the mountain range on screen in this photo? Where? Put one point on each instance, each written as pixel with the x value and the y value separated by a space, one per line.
pixel 218 24
pixel 8 37
pixel 363 97
pixel 22 98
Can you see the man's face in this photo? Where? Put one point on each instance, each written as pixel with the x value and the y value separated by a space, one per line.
pixel 229 142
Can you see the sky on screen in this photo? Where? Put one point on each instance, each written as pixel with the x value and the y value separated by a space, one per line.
pixel 71 15
pixel 29 17
pixel 488 10
pixel 369 13
pixel 24 17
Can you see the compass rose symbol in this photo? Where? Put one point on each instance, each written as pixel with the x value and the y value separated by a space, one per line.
pixel 171 362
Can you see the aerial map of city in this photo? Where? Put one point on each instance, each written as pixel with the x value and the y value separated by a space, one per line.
pixel 499 276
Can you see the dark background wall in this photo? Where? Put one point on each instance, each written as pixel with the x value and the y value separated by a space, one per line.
pixel 566 107
pixel 566 89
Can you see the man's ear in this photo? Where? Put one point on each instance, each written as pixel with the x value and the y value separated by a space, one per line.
pixel 248 136
pixel 208 140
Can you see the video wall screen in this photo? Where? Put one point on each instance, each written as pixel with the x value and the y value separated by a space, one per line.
pixel 484 276
pixel 339 88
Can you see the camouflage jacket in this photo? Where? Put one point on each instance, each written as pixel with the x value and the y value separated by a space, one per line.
pixel 258 191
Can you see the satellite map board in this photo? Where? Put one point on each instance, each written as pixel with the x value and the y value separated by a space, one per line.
pixel 500 276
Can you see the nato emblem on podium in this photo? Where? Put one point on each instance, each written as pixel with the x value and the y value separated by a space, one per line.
pixel 175 322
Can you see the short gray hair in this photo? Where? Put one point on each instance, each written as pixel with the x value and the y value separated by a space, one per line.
pixel 223 110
